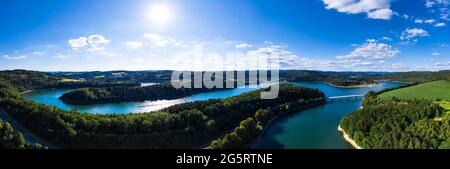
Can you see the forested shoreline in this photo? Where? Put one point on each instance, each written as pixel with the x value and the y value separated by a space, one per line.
pixel 223 123
pixel 247 133
pixel 399 124
pixel 413 77
pixel 338 79
pixel 165 91
pixel 23 80
pixel 186 125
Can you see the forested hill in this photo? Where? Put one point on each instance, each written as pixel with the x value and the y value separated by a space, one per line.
pixel 344 79
pixel 87 96
pixel 189 125
pixel 23 80
pixel 335 78
pixel 399 124
pixel 413 77
pixel 412 117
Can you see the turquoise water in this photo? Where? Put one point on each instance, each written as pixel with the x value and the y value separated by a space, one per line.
pixel 315 128
pixel 50 97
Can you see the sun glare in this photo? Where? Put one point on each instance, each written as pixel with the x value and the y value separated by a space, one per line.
pixel 160 14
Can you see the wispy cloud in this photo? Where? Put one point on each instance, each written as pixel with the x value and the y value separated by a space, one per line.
pixel 440 24
pixel 92 43
pixel 134 44
pixel 60 56
pixel 38 53
pixel 370 54
pixel 410 35
pixel 20 57
pixel 243 45
pixel 156 40
pixel 375 9
pixel 78 42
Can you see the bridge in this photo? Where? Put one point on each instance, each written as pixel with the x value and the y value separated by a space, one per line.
pixel 346 98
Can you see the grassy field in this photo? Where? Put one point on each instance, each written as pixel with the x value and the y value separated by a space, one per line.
pixel 431 90
pixel 70 80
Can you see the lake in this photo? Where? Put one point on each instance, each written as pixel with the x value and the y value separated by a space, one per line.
pixel 315 128
pixel 50 97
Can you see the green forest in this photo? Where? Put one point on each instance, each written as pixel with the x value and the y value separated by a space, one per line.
pixel 342 79
pixel 23 80
pixel 236 122
pixel 189 125
pixel 399 124
pixel 10 139
pixel 129 94
pixel 413 77
pixel 250 129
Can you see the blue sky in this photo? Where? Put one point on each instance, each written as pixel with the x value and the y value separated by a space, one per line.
pixel 339 35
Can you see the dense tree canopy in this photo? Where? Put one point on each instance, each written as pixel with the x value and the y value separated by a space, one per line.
pixel 399 124
pixel 10 139
pixel 335 78
pixel 129 94
pixel 189 125
pixel 413 77
pixel 23 80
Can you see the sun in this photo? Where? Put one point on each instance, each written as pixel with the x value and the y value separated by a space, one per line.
pixel 160 14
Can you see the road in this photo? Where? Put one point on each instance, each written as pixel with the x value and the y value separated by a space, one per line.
pixel 30 138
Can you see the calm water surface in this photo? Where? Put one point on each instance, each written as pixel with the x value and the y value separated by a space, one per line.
pixel 50 97
pixel 316 128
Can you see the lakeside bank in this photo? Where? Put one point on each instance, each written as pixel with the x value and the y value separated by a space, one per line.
pixel 348 139
pixel 354 86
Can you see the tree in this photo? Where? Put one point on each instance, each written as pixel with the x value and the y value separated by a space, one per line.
pixel 18 140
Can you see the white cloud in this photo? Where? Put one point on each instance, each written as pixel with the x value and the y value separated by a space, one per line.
pixel 38 53
pixel 78 43
pixel 375 9
pixel 157 40
pixel 406 16
pixel 243 45
pixel 93 44
pixel 445 16
pixel 385 14
pixel 270 56
pixel 397 66
pixel 95 40
pixel 440 7
pixel 430 21
pixel 432 3
pixel 441 66
pixel 418 21
pixel 134 45
pixel 435 53
pixel 429 4
pixel 387 38
pixel 440 24
pixel 371 53
pixel 60 56
pixel 92 40
pixel 20 57
pixel 413 33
